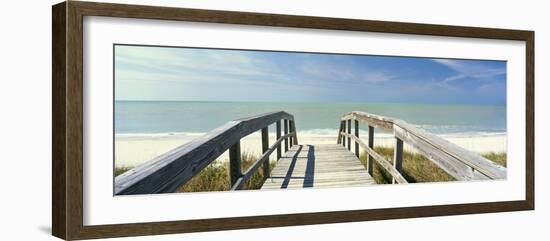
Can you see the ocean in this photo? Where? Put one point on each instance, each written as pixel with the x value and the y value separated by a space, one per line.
pixel 150 117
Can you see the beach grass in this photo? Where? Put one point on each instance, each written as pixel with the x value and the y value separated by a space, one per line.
pixel 498 158
pixel 417 168
pixel 215 177
pixel 120 170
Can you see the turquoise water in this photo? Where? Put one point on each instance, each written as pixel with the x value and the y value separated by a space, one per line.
pixel 195 116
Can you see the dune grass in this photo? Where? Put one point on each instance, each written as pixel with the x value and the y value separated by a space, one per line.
pixel 417 168
pixel 215 177
pixel 498 158
pixel 120 170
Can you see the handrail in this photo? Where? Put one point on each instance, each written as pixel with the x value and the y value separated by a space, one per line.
pixel 169 171
pixel 453 159
pixel 254 167
pixel 378 158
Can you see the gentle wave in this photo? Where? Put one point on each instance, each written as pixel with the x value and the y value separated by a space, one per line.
pixel 159 134
pixel 312 132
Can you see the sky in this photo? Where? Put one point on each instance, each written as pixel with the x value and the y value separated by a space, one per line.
pixel 195 74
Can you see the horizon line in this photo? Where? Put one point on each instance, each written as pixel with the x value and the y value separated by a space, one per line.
pixel 340 102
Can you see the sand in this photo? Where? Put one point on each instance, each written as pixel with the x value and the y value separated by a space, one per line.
pixel 134 149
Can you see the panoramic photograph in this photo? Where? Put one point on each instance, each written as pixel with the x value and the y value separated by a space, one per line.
pixel 204 120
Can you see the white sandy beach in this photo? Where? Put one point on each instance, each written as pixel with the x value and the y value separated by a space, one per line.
pixel 134 149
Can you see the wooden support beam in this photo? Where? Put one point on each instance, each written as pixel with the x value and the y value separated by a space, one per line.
pixel 349 132
pixel 343 130
pixel 291 140
pixel 167 172
pixel 286 132
pixel 339 141
pixel 265 147
pixel 278 130
pixel 357 135
pixel 235 169
pixel 382 162
pixel 371 145
pixel 293 129
pixel 398 157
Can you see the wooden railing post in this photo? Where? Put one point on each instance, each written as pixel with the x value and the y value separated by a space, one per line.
pixel 371 145
pixel 339 141
pixel 456 161
pixel 357 135
pixel 235 170
pixel 291 140
pixel 344 130
pixel 295 136
pixel 278 130
pixel 398 156
pixel 265 146
pixel 167 173
pixel 349 132
pixel 286 132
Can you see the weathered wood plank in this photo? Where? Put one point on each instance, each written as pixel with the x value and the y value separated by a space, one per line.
pixel 295 135
pixel 371 146
pixel 343 130
pixel 398 157
pixel 449 155
pixel 278 131
pixel 339 141
pixel 297 184
pixel 172 169
pixel 318 166
pixel 381 161
pixel 290 140
pixel 325 178
pixel 456 169
pixel 329 176
pixel 377 121
pixel 349 132
pixel 342 168
pixel 239 184
pixel 235 168
pixel 286 132
pixel 357 134
pixel 265 147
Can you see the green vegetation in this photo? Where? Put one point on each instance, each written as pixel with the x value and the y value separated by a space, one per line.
pixel 417 168
pixel 120 170
pixel 215 177
pixel 498 158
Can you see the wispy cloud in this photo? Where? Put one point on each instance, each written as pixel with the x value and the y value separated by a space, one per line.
pixel 471 69
pixel 343 72
pixel 209 74
pixel 181 61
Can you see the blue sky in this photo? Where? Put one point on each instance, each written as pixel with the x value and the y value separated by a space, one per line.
pixel 162 73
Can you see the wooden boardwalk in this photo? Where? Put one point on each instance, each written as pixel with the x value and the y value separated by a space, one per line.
pixel 304 166
pixel 330 165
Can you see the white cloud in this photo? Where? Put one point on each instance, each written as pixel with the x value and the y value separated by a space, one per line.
pixel 182 61
pixel 469 69
pixel 342 72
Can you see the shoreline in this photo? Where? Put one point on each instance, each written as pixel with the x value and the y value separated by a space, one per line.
pixel 132 149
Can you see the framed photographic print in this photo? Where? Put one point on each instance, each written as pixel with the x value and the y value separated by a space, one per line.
pixel 172 120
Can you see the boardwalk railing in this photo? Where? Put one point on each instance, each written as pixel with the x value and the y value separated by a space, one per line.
pixel 171 170
pixel 455 160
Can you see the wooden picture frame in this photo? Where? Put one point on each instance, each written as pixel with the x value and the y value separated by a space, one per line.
pixel 67 124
